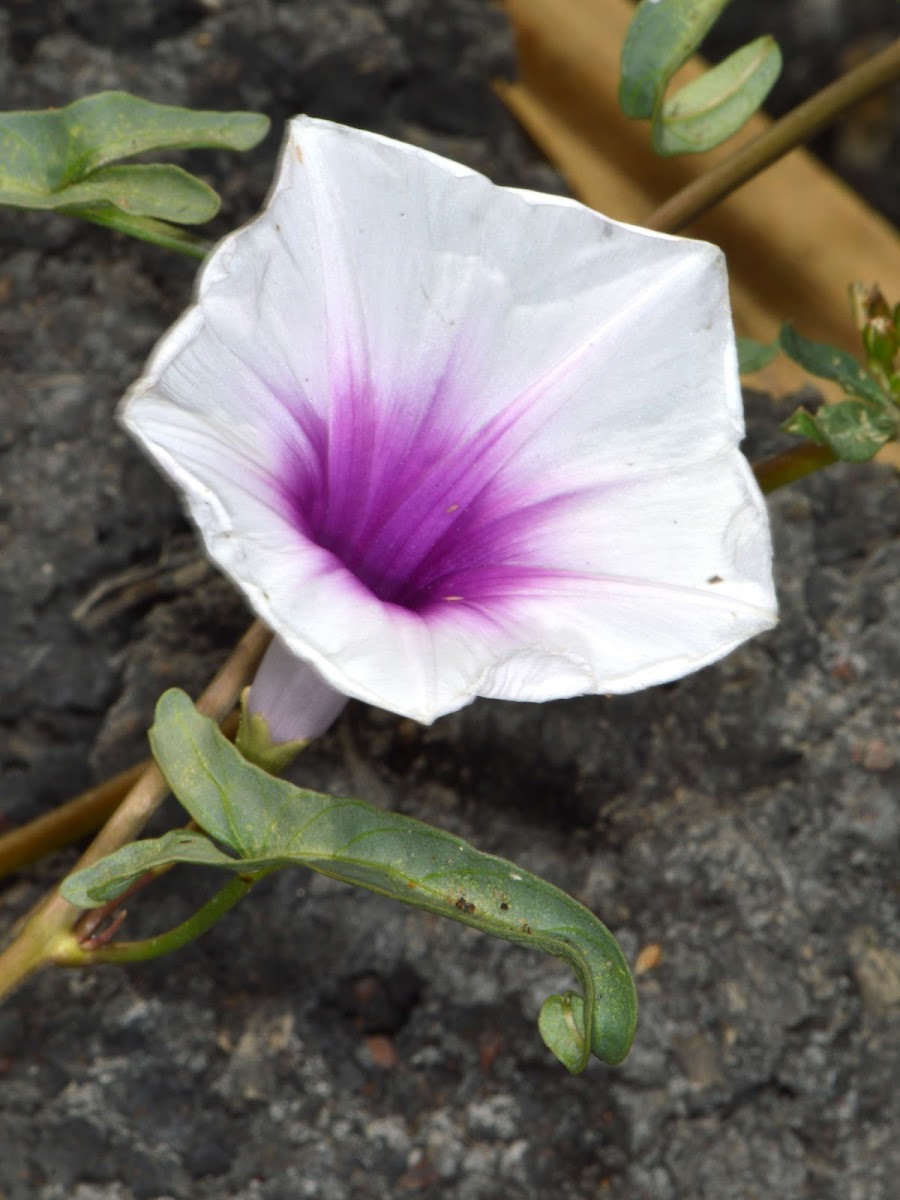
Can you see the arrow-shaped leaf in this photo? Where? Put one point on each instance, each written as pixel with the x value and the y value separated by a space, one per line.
pixel 114 875
pixel 271 823
pixel 59 159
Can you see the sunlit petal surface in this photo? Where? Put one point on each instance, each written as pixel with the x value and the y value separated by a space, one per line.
pixel 456 440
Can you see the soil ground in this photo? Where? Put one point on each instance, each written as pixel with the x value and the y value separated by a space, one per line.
pixel 740 827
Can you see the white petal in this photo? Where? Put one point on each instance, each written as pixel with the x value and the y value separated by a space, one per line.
pixel 454 440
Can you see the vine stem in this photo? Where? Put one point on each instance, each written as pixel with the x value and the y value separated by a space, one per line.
pixel 779 139
pixel 74 954
pixel 47 935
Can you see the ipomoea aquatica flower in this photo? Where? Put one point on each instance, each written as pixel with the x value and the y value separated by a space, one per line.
pixel 456 440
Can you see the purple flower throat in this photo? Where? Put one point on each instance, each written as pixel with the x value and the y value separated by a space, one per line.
pixel 421 516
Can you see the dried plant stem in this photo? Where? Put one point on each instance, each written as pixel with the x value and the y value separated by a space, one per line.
pixel 784 135
pixel 47 934
pixel 67 823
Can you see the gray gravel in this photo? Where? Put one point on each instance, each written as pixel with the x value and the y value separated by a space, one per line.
pixel 738 830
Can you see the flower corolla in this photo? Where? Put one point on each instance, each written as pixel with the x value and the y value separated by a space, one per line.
pixel 456 440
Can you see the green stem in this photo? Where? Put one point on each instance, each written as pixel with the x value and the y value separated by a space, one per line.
pixel 791 465
pixel 75 955
pixel 780 138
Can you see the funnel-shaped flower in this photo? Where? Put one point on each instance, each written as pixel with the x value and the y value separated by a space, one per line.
pixel 455 440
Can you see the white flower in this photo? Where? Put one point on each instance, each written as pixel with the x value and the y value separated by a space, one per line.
pixel 456 440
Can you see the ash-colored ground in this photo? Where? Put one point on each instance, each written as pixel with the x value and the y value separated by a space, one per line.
pixel 323 1043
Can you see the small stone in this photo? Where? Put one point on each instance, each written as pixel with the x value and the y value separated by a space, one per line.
pixel 874 755
pixel 382 1051
pixel 877 972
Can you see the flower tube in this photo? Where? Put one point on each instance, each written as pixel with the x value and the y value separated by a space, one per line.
pixel 456 440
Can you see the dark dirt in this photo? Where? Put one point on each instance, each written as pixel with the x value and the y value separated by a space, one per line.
pixel 320 1042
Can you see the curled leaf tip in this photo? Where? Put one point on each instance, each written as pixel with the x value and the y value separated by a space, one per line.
pixel 609 1036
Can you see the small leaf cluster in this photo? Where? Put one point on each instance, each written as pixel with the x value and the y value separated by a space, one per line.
pixel 879 327
pixel 855 429
pixel 69 159
pixel 707 111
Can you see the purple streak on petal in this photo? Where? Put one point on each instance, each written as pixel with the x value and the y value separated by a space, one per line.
pixel 415 498
pixel 420 516
pixel 419 502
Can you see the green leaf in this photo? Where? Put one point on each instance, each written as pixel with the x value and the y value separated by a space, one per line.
pixel 115 874
pixel 270 822
pixel 157 190
pixel 58 158
pixel 854 430
pixel 34 152
pixel 240 805
pixel 160 233
pixel 113 125
pixel 753 355
pixel 662 35
pixel 828 362
pixel 45 150
pixel 710 109
pixel 560 1023
pixel 803 424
